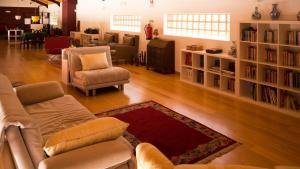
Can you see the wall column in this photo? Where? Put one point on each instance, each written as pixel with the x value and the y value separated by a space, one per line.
pixel 68 16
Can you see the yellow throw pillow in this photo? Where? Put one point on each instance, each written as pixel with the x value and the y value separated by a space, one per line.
pixel 94 61
pixel 91 132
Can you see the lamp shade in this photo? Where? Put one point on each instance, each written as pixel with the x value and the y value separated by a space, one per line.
pixel 18 17
pixel 35 18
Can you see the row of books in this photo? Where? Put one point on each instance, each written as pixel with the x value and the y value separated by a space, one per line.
pixel 269 95
pixel 291 58
pixel 269 36
pixel 293 38
pixel 188 59
pixel 270 55
pixel 291 79
pixel 201 61
pixel 249 34
pixel 250 71
pixel 188 74
pixel 230 85
pixel 251 53
pixel 216 82
pixel 200 77
pixel 270 76
pixel 288 101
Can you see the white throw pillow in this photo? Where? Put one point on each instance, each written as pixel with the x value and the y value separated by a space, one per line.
pixel 94 61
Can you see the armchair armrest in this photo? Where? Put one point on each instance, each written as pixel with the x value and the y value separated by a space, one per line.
pixel 39 92
pixel 109 154
pixel 149 157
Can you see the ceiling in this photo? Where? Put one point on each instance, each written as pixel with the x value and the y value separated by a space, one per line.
pixel 47 2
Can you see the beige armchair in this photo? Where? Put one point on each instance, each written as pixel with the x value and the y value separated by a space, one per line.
pixel 128 50
pixel 149 157
pixel 94 79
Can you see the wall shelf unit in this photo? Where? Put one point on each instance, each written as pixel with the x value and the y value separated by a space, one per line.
pixel 211 71
pixel 267 66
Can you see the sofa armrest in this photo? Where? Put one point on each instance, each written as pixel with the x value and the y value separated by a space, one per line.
pixel 18 148
pixel 109 154
pixel 149 157
pixel 39 92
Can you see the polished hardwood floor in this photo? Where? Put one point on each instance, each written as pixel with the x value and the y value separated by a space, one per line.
pixel 268 138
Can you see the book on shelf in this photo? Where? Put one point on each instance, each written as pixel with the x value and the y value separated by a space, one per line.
pixel 269 36
pixel 249 34
pixel 270 55
pixel 250 71
pixel 188 59
pixel 270 76
pixel 231 85
pixel 291 58
pixel 291 79
pixel 251 53
pixel 254 95
pixel 201 61
pixel 200 77
pixel 216 81
pixel 269 95
pixel 188 74
pixel 293 37
pixel 288 101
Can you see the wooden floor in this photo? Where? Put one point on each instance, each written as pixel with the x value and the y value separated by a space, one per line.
pixel 268 138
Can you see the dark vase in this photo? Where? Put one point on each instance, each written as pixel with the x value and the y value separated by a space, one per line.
pixel 298 16
pixel 256 15
pixel 275 14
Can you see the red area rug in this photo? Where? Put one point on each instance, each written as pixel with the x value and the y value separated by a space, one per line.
pixel 181 139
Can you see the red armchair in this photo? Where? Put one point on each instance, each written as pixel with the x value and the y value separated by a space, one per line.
pixel 54 45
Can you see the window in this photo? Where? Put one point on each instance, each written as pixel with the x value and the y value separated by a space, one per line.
pixel 129 23
pixel 214 26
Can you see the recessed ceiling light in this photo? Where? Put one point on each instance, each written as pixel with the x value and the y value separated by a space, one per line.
pixel 7 11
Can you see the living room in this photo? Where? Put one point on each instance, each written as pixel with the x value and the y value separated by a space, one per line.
pixel 181 111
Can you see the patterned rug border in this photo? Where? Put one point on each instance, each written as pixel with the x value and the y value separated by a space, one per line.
pixel 202 161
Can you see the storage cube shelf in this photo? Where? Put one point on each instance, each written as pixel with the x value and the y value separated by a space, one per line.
pixel 212 71
pixel 266 71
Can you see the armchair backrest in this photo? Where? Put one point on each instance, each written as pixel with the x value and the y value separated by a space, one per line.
pixel 135 42
pixel 75 62
pixel 111 37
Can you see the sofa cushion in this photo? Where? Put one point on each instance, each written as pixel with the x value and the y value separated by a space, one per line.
pixel 42 92
pixel 57 114
pixel 91 132
pixel 112 74
pixel 94 61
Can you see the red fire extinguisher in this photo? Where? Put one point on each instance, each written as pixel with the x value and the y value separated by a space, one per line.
pixel 148 31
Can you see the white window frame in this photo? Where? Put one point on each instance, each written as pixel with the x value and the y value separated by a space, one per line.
pixel 129 23
pixel 214 26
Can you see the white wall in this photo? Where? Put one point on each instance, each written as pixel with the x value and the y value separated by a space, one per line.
pixel 95 13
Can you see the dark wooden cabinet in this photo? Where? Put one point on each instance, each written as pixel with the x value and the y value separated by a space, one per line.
pixel 161 55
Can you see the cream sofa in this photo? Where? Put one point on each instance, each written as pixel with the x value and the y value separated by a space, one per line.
pixel 29 114
pixel 94 79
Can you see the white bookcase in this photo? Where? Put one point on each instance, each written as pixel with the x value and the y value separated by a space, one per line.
pixel 267 66
pixel 209 70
